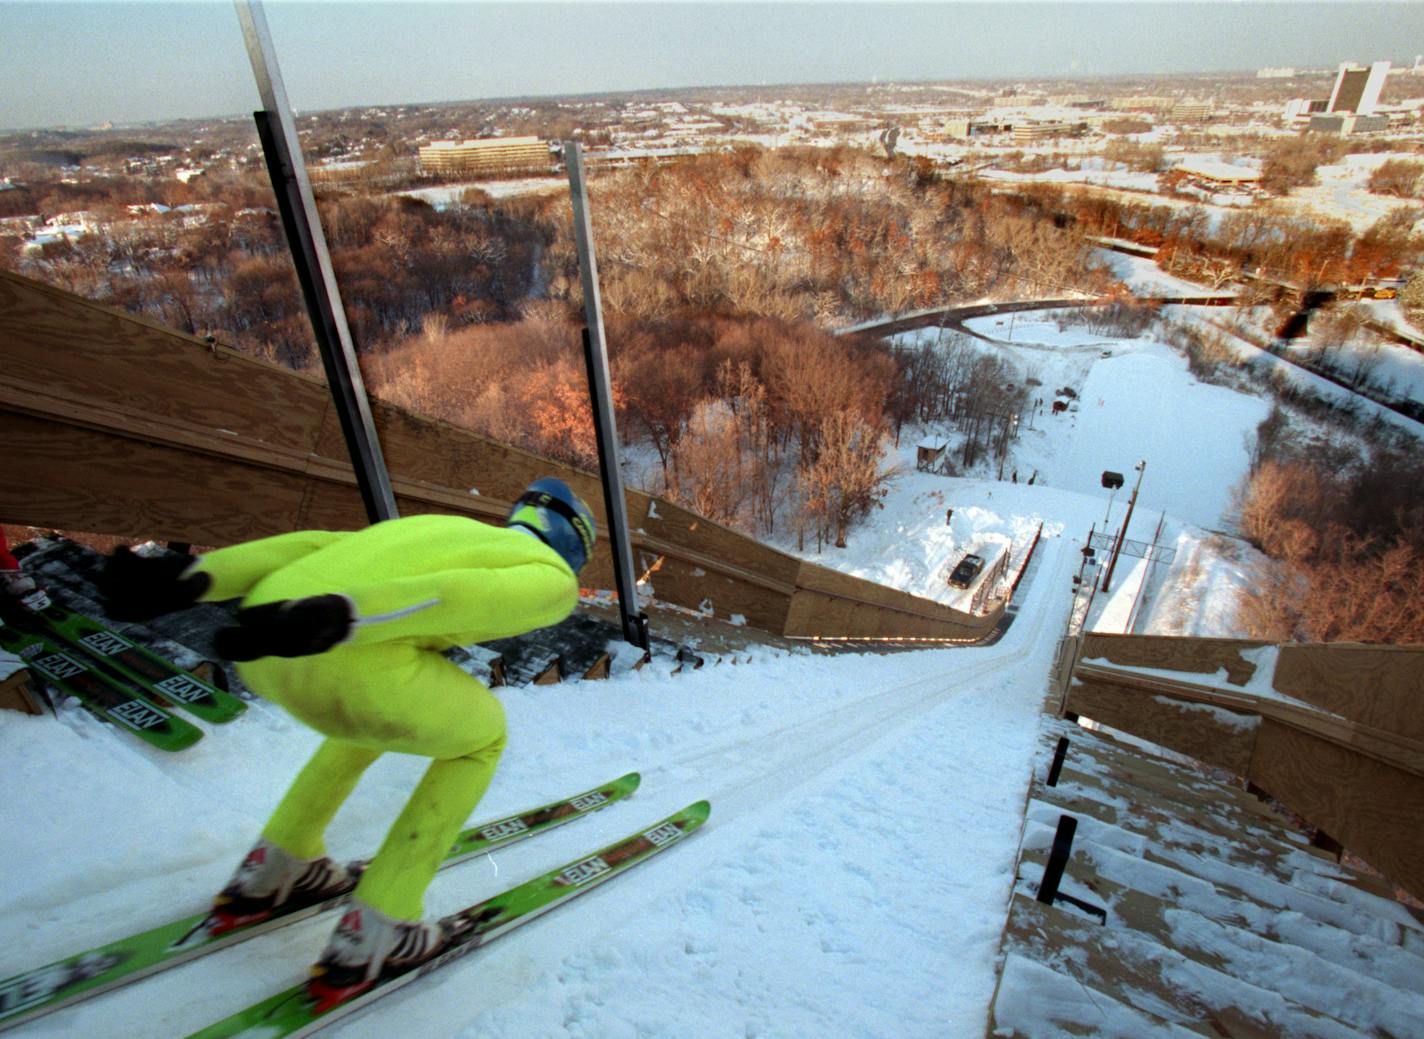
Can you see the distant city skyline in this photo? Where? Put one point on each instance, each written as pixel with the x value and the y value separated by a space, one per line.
pixel 85 63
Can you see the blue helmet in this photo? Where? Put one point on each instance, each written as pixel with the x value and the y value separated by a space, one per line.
pixel 558 517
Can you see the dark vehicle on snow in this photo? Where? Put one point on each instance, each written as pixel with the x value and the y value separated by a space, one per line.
pixel 968 569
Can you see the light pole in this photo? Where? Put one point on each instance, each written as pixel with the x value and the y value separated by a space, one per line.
pixel 1122 531
pixel 1112 481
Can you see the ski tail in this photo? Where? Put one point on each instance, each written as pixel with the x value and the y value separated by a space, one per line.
pixel 73 674
pixel 161 680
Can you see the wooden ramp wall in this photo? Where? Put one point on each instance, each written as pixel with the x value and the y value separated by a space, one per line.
pixel 1334 732
pixel 112 424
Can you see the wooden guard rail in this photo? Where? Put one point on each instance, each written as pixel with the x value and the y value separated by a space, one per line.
pixel 1334 732
pixel 116 425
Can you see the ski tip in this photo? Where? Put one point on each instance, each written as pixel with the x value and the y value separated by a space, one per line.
pixel 697 812
pixel 629 782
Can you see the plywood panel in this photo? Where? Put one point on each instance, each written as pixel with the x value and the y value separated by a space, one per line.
pixel 429 450
pixel 80 479
pixel 1373 809
pixel 1209 734
pixel 1390 747
pixel 1202 656
pixel 815 613
pixel 53 338
pixel 679 581
pixel 1381 686
pixel 813 581
pixel 675 525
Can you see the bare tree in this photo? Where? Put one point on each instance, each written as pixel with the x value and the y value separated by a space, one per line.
pixel 845 479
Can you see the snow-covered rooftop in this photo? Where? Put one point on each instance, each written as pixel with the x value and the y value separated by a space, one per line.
pixel 1221 171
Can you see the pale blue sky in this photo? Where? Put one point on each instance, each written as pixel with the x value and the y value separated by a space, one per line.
pixel 80 63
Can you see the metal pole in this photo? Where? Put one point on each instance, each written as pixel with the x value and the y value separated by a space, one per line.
pixel 1122 531
pixel 277 128
pixel 635 623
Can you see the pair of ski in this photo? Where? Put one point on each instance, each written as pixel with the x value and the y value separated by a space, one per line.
pixel 299 1011
pixel 113 676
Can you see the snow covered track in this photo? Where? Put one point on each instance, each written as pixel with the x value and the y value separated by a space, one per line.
pixel 790 755
pixel 866 815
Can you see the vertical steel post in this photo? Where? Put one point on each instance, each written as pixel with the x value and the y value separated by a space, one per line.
pixel 635 623
pixel 277 128
pixel 1122 531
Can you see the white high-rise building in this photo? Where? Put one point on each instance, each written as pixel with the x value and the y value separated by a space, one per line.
pixel 1357 89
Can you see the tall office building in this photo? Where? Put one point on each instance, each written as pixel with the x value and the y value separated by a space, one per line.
pixel 1357 89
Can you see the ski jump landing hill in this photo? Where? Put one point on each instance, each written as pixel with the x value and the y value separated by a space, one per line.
pixel 118 425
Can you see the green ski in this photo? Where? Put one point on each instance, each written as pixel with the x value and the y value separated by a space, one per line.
pixel 73 674
pixel 106 967
pixel 306 1007
pixel 161 680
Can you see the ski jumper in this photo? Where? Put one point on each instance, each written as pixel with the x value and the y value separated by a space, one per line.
pixel 418 585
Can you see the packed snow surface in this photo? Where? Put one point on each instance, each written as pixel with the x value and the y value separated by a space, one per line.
pixel 866 809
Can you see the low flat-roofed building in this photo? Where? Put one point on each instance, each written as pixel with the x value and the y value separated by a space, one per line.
pixel 1218 172
pixel 1300 109
pixel 840 122
pixel 488 155
pixel 1141 103
pixel 1185 109
pixel 1042 129
pixel 949 130
pixel 929 453
pixel 1347 123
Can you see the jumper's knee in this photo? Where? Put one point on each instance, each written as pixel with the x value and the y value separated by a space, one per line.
pixel 490 749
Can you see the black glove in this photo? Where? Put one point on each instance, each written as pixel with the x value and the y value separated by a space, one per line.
pixel 135 588
pixel 289 628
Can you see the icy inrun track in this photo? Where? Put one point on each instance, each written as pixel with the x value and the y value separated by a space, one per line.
pixel 851 882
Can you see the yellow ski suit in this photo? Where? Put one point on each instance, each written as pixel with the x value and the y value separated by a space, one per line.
pixel 418 585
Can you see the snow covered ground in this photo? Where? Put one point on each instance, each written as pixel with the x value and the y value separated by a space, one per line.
pixel 1341 191
pixel 1127 180
pixel 1133 400
pixel 852 880
pixel 866 811
pixel 1400 367
pixel 1142 275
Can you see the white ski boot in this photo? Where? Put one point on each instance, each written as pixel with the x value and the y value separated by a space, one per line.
pixel 271 877
pixel 367 943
